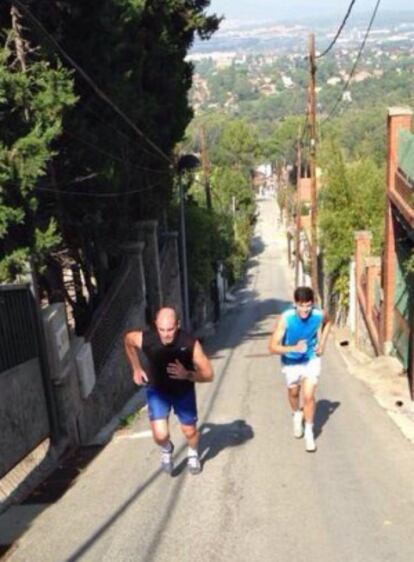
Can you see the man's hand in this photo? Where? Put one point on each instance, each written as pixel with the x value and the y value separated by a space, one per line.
pixel 140 377
pixel 177 371
pixel 301 346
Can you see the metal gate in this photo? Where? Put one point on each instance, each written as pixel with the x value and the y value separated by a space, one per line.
pixel 403 336
pixel 26 406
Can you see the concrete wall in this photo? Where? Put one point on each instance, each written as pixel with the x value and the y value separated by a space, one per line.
pixel 114 385
pixel 82 409
pixel 23 413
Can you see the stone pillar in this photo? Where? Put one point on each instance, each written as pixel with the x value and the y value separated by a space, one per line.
pixel 373 272
pixel 362 250
pixel 352 297
pixel 147 232
pixel 62 369
pixel 398 119
pixel 171 274
pixel 135 251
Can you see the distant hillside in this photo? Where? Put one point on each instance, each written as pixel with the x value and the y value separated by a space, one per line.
pixel 287 35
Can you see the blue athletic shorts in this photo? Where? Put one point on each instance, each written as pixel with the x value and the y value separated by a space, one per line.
pixel 184 405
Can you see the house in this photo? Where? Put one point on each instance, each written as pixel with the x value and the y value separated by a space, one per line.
pixel 383 292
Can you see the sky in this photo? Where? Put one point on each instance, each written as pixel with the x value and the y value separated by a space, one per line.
pixel 274 10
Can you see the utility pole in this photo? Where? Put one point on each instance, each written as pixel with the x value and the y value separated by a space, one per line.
pixel 312 126
pixel 184 255
pixel 187 162
pixel 206 172
pixel 206 167
pixel 298 209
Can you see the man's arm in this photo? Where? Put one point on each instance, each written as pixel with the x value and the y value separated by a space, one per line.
pixel 203 369
pixel 275 343
pixel 132 342
pixel 326 326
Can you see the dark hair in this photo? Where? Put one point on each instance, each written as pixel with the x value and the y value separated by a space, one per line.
pixel 303 294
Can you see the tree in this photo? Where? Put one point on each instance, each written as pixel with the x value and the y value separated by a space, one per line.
pixel 101 175
pixel 352 198
pixel 238 146
pixel 34 95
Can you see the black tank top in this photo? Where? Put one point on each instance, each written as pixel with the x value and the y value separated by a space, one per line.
pixel 159 355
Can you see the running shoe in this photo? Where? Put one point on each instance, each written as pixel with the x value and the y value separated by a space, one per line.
pixel 310 444
pixel 194 465
pixel 298 424
pixel 167 464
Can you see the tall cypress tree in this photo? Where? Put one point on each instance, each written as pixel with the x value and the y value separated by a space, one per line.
pixel 34 93
pixel 104 175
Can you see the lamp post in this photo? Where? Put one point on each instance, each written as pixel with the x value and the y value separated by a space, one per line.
pixel 187 162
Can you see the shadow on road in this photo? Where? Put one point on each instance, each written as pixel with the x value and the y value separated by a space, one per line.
pixel 257 246
pixel 215 437
pixel 324 410
pixel 242 322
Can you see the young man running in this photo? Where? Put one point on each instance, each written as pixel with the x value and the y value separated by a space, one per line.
pixel 300 337
pixel 176 361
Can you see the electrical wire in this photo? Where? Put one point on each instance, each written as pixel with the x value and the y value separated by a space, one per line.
pixel 338 33
pixel 89 80
pixel 110 155
pixel 94 194
pixel 338 101
pixel 86 107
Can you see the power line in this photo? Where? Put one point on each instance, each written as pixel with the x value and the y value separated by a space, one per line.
pixel 109 125
pixel 338 33
pixel 89 80
pixel 110 155
pixel 94 194
pixel 338 101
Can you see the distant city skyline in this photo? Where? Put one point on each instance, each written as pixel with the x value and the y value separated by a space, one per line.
pixel 274 10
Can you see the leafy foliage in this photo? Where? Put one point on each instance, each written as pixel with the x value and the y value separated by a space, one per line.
pixel 74 175
pixel 352 198
pixel 32 104
pixel 223 233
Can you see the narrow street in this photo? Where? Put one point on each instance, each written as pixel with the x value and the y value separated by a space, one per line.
pixel 260 496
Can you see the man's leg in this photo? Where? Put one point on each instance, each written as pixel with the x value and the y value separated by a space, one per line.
pixel 308 396
pixel 309 389
pixel 160 432
pixel 159 409
pixel 185 407
pixel 161 435
pixel 293 396
pixel 191 434
pixel 294 401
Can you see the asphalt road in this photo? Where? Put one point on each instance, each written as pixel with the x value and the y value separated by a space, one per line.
pixel 260 496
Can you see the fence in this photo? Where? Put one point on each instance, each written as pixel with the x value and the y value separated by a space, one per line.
pixel 18 340
pixel 25 406
pixel 109 318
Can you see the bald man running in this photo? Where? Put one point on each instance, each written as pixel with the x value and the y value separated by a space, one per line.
pixel 176 361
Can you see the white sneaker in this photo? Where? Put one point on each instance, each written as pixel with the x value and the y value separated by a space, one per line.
pixel 167 461
pixel 310 444
pixel 298 424
pixel 194 465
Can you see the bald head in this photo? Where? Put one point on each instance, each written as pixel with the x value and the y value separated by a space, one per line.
pixel 166 324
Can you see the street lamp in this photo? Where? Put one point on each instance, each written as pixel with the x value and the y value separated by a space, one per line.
pixel 186 163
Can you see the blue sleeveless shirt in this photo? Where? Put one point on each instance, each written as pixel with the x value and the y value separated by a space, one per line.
pixel 301 329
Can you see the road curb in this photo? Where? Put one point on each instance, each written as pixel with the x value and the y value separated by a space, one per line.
pixel 382 375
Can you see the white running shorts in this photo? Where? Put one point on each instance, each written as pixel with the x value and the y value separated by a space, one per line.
pixel 294 374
